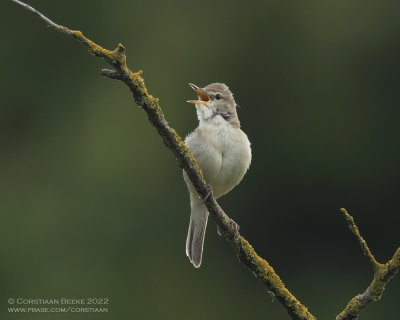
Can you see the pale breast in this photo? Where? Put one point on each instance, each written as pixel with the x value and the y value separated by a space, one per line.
pixel 223 153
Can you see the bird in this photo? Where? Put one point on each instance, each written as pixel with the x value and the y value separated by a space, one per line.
pixel 223 152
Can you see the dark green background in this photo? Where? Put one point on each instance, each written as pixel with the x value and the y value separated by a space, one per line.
pixel 93 204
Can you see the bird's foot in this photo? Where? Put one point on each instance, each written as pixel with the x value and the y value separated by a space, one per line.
pixel 209 192
pixel 235 226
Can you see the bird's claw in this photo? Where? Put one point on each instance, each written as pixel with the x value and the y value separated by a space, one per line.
pixel 209 193
pixel 235 228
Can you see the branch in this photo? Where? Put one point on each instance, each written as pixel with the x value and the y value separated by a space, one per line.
pixel 383 273
pixel 259 267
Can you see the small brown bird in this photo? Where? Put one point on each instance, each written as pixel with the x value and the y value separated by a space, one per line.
pixel 222 151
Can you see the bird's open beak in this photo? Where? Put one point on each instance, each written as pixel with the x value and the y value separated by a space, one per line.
pixel 203 96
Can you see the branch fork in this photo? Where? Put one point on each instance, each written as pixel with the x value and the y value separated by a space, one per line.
pixel 383 273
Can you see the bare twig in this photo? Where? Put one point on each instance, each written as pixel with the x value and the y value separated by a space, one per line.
pixel 383 273
pixel 354 229
pixel 50 23
pixel 112 74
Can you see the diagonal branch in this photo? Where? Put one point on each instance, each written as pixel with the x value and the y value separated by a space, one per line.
pixel 383 273
pixel 354 229
pixel 259 267
pixel 49 23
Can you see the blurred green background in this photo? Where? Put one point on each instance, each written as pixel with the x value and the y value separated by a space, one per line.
pixel 93 204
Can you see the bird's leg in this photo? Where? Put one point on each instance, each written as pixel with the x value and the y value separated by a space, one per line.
pixel 234 224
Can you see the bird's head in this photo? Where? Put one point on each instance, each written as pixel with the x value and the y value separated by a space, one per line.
pixel 215 100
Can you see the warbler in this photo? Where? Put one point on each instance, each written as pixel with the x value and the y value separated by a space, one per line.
pixel 222 151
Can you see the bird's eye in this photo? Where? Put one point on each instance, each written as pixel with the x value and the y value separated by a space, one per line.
pixel 218 96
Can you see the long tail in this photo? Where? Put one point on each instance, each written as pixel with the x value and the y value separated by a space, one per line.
pixel 197 231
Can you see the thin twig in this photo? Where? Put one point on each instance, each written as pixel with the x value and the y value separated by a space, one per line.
pixel 112 74
pixel 354 229
pixel 50 23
